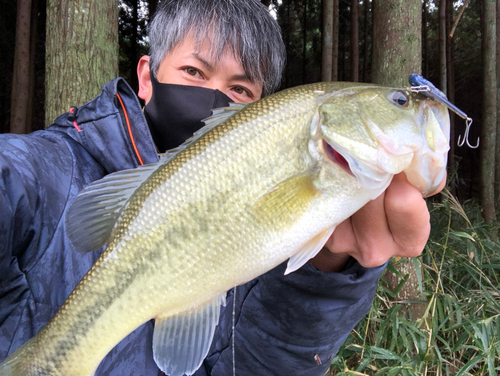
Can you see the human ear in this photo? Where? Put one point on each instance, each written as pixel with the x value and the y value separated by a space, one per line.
pixel 145 87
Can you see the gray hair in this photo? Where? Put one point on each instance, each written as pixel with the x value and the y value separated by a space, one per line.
pixel 243 27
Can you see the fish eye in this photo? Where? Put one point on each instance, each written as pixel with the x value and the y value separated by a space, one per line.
pixel 400 98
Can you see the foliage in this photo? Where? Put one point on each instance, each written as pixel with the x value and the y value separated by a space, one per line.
pixel 460 333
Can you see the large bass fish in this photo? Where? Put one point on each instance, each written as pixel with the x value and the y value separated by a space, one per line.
pixel 259 184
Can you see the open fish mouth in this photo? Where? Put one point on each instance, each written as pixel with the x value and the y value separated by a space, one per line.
pixel 371 178
pixel 337 158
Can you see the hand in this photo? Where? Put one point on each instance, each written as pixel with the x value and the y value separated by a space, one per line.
pixel 394 224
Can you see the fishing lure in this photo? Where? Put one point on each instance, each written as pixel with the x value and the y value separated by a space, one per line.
pixel 421 85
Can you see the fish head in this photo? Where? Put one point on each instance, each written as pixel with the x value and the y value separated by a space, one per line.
pixel 374 132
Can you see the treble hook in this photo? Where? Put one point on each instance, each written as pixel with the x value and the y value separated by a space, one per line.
pixel 468 123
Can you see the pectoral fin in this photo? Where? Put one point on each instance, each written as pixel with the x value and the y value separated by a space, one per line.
pixel 285 202
pixel 93 215
pixel 308 251
pixel 181 342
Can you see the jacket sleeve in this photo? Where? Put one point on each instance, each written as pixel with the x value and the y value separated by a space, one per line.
pixel 32 192
pixel 18 198
pixel 291 324
pixel 18 227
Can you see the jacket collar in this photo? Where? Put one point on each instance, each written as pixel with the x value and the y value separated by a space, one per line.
pixel 112 128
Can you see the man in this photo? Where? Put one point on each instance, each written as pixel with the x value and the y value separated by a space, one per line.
pixel 203 55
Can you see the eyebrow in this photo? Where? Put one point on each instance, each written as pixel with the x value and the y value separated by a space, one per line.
pixel 203 61
pixel 243 76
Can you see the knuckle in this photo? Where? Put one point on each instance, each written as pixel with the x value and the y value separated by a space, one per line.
pixel 405 201
pixel 374 256
pixel 414 251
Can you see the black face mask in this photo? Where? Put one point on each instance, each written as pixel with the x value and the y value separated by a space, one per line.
pixel 174 112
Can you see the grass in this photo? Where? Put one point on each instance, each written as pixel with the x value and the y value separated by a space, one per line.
pixel 459 334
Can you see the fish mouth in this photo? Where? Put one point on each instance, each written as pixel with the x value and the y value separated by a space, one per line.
pixel 337 158
pixel 368 176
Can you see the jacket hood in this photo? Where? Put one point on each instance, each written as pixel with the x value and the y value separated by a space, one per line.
pixel 112 128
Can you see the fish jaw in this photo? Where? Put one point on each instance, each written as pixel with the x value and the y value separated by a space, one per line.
pixel 428 166
pixel 371 178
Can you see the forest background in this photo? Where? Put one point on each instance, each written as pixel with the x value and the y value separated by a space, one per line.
pixel 437 314
pixel 454 64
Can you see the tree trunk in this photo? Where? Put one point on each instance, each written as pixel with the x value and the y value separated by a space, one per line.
pixel 304 43
pixel 442 45
pixel 327 37
pixel 450 82
pixel 354 41
pixel 344 70
pixel 396 44
pixel 33 40
pixel 152 4
pixel 497 148
pixel 425 59
pixel 81 52
pixel 367 33
pixel 397 53
pixel 287 32
pixel 488 126
pixel 335 41
pixel 20 79
pixel 134 80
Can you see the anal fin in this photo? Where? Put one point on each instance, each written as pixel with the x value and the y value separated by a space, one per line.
pixel 181 342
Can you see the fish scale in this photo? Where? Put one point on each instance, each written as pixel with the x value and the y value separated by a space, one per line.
pixel 241 197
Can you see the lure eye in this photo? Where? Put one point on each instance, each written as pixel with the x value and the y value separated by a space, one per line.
pixel 400 98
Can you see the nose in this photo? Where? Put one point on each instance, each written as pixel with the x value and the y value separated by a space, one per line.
pixel 215 84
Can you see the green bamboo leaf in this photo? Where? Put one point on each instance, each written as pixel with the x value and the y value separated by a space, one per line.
pixel 437 351
pixel 469 365
pixel 492 246
pixel 363 365
pixel 381 353
pixel 462 234
pixel 401 284
pixel 489 266
pixel 490 361
pixel 416 264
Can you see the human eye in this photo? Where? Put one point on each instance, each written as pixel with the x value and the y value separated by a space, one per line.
pixel 241 91
pixel 192 71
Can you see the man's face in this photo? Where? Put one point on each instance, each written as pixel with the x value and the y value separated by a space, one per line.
pixel 187 65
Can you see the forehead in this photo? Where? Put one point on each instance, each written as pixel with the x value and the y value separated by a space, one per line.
pixel 208 47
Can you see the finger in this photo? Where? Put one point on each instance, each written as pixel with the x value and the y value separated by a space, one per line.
pixel 407 217
pixel 375 243
pixel 342 239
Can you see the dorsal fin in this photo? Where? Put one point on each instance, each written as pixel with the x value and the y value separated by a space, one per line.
pixel 220 115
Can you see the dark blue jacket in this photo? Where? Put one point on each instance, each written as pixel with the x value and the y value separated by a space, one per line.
pixel 281 322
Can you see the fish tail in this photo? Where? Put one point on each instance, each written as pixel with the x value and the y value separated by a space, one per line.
pixel 13 366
